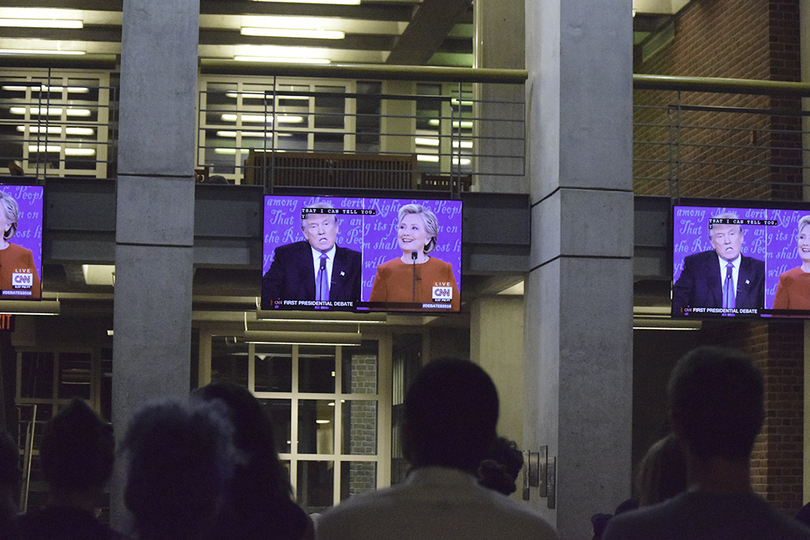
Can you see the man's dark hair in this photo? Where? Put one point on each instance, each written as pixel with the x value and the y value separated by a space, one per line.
pixel 181 458
pixel 78 449
pixel 716 395
pixel 450 414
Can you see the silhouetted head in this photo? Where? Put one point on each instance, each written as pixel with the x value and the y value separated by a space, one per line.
pixel 181 458
pixel 450 413
pixel 77 450
pixel 253 437
pixel 662 472
pixel 716 399
pixel 500 468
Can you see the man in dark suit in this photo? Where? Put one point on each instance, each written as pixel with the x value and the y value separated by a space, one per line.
pixel 722 278
pixel 315 268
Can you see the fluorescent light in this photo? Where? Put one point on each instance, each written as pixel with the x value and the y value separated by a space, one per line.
pixel 266 119
pixel 464 124
pixel 301 33
pixel 37 88
pixel 454 101
pixel 229 151
pixel 426 158
pixel 281 60
pixel 80 152
pixel 232 134
pixel 323 421
pixel 325 2
pixel 245 95
pixel 99 274
pixel 43 148
pixel 50 111
pixel 58 130
pixel 52 52
pixel 462 144
pixel 41 23
pixel 424 141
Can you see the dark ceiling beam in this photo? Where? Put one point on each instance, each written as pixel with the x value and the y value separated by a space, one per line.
pixel 87 5
pixel 369 12
pixel 354 42
pixel 427 30
pixel 111 34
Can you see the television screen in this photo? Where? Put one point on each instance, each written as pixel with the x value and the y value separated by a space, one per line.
pixel 361 254
pixel 741 261
pixel 21 245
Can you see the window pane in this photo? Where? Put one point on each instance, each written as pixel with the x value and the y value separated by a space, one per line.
pixel 273 368
pixel 357 477
pixel 316 426
pixel 280 412
pixel 330 107
pixel 316 481
pixel 229 360
pixel 74 375
pixel 316 369
pixel 360 369
pixel 37 375
pixel 359 428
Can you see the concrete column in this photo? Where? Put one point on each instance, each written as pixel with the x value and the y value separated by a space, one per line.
pixel 496 335
pixel 155 210
pixel 579 292
pixel 499 43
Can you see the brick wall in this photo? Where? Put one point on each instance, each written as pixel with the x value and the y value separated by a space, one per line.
pixel 777 349
pixel 745 39
pixel 732 155
pixel 360 422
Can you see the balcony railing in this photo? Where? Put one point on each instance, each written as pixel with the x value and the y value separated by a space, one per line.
pixel 405 127
pixel 364 128
pixel 719 138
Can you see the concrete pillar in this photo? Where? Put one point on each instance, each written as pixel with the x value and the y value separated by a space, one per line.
pixel 496 335
pixel 155 210
pixel 499 43
pixel 579 292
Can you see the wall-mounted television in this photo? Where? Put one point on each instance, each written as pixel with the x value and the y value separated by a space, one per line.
pixel 361 254
pixel 21 208
pixel 741 260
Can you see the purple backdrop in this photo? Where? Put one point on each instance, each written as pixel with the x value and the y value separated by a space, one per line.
pixel 374 236
pixel 774 244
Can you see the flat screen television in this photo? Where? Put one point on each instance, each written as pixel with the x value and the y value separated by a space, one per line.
pixel 769 278
pixel 21 253
pixel 373 261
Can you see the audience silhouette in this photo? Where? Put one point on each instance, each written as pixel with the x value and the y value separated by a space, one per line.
pixel 181 459
pixel 259 504
pixel 501 466
pixel 77 455
pixel 449 418
pixel 716 411
pixel 9 485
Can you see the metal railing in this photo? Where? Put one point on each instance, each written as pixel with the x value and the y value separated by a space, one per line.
pixel 59 126
pixel 447 128
pixel 728 138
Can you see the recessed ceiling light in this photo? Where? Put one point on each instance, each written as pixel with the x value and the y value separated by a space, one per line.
pixel 302 33
pixel 327 2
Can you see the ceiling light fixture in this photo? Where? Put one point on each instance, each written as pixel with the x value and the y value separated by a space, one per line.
pixel 44 52
pixel 325 2
pixel 298 33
